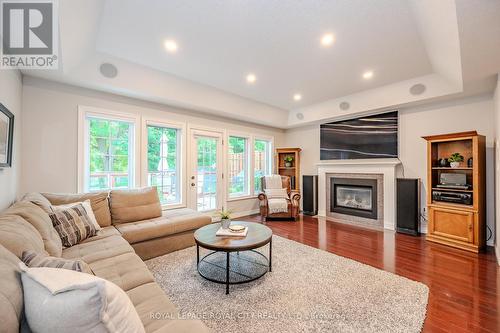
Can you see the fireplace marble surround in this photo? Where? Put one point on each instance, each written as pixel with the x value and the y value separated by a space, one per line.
pixel 384 170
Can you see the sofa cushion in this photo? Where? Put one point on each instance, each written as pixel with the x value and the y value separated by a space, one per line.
pixel 39 219
pixel 183 326
pixel 73 225
pixel 158 313
pixel 17 235
pixel 134 205
pixel 98 201
pixel 35 259
pixel 150 301
pixel 103 233
pixel 39 200
pixel 172 222
pixel 99 249
pixel 11 292
pixel 125 270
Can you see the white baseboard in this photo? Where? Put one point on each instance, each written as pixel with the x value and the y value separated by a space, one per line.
pixel 236 215
pixel 497 252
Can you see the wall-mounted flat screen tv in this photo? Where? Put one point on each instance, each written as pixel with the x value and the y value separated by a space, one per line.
pixel 364 137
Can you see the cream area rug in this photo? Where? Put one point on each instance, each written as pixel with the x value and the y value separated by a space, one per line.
pixel 308 290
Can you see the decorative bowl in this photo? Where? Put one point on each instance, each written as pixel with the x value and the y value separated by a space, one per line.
pixel 236 228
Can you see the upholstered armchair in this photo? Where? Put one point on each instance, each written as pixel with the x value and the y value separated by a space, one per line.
pixel 293 200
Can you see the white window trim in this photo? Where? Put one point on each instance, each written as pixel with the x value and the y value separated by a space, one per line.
pixel 89 111
pixel 250 166
pixel 271 156
pixel 147 121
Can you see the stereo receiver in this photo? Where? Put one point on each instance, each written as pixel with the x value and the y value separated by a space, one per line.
pixel 454 197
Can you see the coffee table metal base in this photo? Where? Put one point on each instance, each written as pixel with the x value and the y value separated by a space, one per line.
pixel 262 265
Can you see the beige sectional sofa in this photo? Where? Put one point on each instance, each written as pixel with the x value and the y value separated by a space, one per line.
pixel 116 253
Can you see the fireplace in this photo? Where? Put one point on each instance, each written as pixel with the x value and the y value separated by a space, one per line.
pixel 354 196
pixel 383 170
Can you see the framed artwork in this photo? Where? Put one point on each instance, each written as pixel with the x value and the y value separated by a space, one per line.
pixel 6 136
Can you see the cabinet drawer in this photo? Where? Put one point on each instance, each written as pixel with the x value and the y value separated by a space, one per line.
pixel 452 224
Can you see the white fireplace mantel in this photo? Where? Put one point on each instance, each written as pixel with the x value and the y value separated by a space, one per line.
pixel 386 167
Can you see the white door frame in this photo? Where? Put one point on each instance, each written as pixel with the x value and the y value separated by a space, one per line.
pixel 194 130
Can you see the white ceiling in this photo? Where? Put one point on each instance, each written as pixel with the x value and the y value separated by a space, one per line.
pixel 450 46
pixel 279 41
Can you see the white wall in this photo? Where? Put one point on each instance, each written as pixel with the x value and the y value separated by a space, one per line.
pixel 496 100
pixel 50 132
pixel 461 115
pixel 11 97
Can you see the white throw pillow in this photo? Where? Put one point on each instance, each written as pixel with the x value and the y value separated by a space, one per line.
pixel 62 300
pixel 276 193
pixel 88 209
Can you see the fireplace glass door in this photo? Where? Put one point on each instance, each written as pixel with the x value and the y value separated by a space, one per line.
pixel 356 197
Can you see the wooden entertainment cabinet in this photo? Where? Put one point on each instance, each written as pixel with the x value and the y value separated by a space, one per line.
pixel 457 224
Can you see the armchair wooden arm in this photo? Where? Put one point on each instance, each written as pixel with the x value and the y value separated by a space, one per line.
pixel 263 205
pixel 295 197
pixel 262 198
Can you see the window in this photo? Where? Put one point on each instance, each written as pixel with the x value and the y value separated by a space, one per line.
pixel 262 162
pixel 164 161
pixel 238 166
pixel 109 147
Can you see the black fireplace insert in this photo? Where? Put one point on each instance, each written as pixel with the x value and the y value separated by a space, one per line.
pixel 354 196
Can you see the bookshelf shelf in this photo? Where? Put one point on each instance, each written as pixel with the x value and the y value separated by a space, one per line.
pixel 451 169
pixel 292 171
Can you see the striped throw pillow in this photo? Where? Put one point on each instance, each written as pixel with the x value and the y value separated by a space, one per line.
pixel 35 259
pixel 73 225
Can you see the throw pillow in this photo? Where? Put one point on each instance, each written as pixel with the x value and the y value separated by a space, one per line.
pixel 276 193
pixel 73 225
pixel 61 300
pixel 35 259
pixel 88 208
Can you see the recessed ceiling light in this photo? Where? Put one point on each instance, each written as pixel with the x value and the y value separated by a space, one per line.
pixel 367 75
pixel 251 78
pixel 327 39
pixel 170 45
pixel 297 97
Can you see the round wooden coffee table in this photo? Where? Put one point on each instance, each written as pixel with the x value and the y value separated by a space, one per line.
pixel 258 235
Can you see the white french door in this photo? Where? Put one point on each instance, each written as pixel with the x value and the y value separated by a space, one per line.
pixel 206 167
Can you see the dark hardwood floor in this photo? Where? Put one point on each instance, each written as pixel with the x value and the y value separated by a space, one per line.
pixel 464 287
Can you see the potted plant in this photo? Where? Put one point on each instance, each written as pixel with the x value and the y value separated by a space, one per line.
pixel 288 161
pixel 225 216
pixel 455 160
